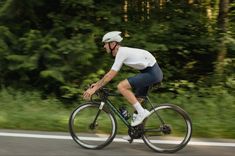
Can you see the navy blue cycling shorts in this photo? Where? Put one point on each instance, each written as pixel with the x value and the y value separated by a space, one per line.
pixel 147 77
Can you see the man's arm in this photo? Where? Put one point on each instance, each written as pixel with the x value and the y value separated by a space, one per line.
pixel 107 77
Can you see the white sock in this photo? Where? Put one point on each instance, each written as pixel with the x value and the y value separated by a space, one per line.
pixel 138 108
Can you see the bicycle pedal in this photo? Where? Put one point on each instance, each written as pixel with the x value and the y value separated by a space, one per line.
pixel 131 140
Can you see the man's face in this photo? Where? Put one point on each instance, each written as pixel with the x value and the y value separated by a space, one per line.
pixel 106 47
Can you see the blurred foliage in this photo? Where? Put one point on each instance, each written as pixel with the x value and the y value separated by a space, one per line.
pixel 51 49
pixel 212 116
pixel 55 45
pixel 27 110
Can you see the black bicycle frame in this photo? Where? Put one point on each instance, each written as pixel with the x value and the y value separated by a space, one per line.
pixel 161 120
pixel 115 110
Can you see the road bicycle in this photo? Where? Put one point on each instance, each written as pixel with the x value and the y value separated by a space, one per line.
pixel 93 125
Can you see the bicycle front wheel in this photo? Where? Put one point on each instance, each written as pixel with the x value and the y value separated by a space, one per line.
pixel 91 127
pixel 167 129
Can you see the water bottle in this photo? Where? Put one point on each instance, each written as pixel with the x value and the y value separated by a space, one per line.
pixel 124 112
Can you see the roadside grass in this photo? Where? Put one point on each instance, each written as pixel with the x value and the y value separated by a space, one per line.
pixel 212 115
pixel 27 110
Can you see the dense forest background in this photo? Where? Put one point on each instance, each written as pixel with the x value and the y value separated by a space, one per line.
pixel 54 46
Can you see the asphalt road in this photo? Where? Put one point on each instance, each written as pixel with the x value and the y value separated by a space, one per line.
pixel 30 143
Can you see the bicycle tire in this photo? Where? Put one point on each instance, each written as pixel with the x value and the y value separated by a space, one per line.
pixel 177 123
pixel 103 131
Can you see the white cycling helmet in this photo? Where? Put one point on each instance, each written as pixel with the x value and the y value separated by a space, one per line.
pixel 113 36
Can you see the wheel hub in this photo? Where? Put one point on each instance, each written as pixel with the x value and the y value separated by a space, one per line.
pixel 166 129
pixel 93 126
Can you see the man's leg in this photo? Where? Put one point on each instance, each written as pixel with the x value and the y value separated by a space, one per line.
pixel 141 93
pixel 124 88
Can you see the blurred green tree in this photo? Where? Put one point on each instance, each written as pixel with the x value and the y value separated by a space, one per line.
pixel 55 45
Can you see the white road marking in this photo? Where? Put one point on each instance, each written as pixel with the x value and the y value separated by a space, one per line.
pixel 41 136
pixel 63 137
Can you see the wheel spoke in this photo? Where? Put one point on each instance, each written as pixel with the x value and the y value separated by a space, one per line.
pixel 171 136
pixel 91 127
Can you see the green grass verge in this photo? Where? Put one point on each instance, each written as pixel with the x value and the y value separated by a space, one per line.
pixel 212 115
pixel 27 110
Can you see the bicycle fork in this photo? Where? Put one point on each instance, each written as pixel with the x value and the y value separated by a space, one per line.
pixel 94 124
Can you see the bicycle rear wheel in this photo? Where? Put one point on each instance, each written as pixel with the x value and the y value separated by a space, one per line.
pixel 167 129
pixel 91 127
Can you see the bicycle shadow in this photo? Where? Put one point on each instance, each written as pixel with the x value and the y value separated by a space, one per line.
pixel 139 149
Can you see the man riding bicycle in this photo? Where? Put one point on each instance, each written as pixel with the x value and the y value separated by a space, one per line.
pixel 139 59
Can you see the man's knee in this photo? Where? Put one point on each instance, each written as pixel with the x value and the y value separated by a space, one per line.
pixel 122 86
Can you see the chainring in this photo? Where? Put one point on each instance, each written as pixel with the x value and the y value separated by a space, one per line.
pixel 136 132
